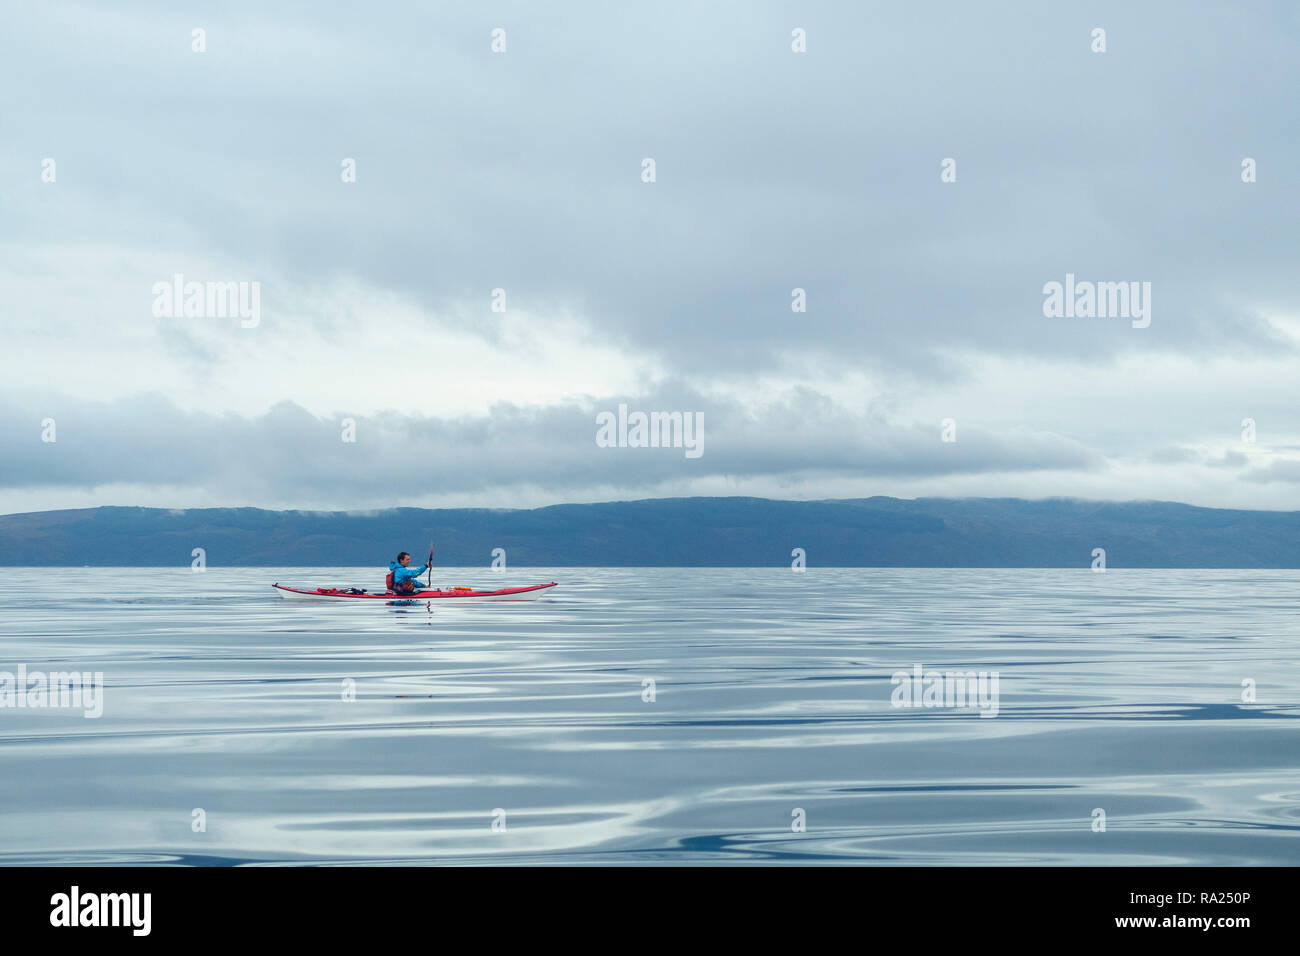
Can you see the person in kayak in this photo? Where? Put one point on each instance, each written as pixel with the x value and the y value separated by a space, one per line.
pixel 402 578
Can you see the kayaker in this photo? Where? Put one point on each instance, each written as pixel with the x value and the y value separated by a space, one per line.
pixel 402 578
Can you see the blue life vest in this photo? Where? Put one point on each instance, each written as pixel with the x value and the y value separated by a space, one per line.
pixel 410 587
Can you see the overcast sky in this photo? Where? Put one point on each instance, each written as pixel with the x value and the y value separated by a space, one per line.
pixel 522 170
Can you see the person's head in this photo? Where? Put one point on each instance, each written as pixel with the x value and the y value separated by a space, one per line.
pixel 404 558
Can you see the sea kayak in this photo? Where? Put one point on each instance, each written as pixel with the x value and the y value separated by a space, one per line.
pixel 453 594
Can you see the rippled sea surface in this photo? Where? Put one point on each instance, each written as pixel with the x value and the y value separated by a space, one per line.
pixel 771 705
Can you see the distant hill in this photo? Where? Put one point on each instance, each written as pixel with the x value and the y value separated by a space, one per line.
pixel 685 532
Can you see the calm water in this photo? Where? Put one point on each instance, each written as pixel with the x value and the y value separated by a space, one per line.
pixel 1119 691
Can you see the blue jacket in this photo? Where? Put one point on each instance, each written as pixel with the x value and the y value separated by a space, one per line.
pixel 402 575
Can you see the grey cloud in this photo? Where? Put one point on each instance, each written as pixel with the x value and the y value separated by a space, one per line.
pixel 1229 459
pixel 1287 470
pixel 289 453
pixel 776 170
pixel 1173 454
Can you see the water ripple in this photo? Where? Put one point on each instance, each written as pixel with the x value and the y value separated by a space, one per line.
pixel 659 717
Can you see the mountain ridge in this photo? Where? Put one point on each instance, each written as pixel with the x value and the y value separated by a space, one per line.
pixel 878 531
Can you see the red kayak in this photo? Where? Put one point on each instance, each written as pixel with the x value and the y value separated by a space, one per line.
pixel 454 594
